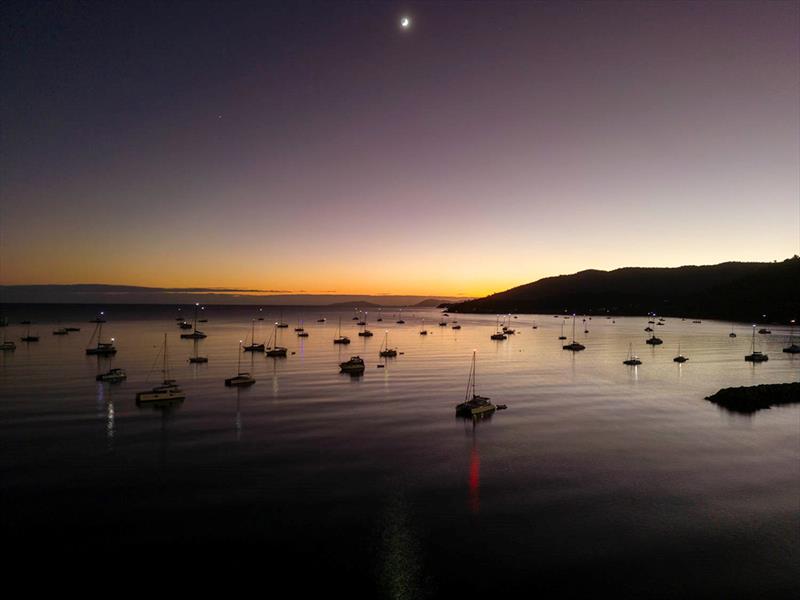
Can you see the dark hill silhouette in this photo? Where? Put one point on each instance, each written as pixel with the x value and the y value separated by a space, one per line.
pixel 733 290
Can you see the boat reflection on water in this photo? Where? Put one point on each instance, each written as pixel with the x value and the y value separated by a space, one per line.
pixel 474 477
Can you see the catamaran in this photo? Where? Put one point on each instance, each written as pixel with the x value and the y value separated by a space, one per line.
pixel 168 390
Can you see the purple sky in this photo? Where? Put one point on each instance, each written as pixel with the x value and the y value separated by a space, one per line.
pixel 317 146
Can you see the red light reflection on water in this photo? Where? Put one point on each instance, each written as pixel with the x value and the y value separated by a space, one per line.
pixel 474 481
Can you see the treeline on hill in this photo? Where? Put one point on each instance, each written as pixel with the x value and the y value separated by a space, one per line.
pixel 730 291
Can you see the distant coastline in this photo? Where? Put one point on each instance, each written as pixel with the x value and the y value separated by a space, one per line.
pixel 125 294
pixel 734 291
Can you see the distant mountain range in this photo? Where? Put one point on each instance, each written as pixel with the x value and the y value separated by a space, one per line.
pixel 733 290
pixel 131 294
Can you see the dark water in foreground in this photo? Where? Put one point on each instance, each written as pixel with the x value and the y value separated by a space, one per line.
pixel 597 476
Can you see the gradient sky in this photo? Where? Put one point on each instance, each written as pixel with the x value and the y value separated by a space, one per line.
pixel 316 146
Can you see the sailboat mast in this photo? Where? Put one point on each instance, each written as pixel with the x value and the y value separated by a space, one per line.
pixel 165 369
pixel 474 374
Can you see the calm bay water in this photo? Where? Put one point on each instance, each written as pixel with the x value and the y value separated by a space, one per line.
pixel 598 474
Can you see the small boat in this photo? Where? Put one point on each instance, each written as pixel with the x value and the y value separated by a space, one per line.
pixel 302 334
pixel 632 359
pixel 498 334
pixel 299 328
pixel 7 345
pixel 341 339
pixel 764 331
pixel 653 340
pixel 680 358
pixel 276 351
pixel 281 324
pixel 648 329
pixel 28 337
pixel 102 348
pixel 354 366
pixel 456 326
pixel 185 325
pixel 755 356
pixel 792 348
pixel 574 346
pixel 562 336
pixel 112 376
pixel 252 346
pixel 385 351
pixel 72 328
pixel 197 359
pixel 241 378
pixel 474 405
pixel 534 326
pixel 366 332
pixel 443 323
pixel 321 320
pixel 167 391
pixel 696 321
pixel 732 334
pixel 195 335
pixel 60 331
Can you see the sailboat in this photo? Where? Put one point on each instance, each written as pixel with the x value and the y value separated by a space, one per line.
pixel 574 346
pixel 534 326
pixel 240 378
pixel 276 351
pixel 385 351
pixel 755 356
pixel 732 334
pixel 498 335
pixel 400 321
pixel 195 335
pixel 792 348
pixel 281 324
pixel 474 405
pixel 252 346
pixel 680 358
pixel 443 323
pixel 301 332
pixel 366 332
pixel 28 337
pixel 632 359
pixel 168 390
pixel 423 331
pixel 562 336
pixel 341 339
pixel 102 348
pixel 507 326
pixel 197 358
pixel 299 327
pixel 380 315
pixel 100 318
